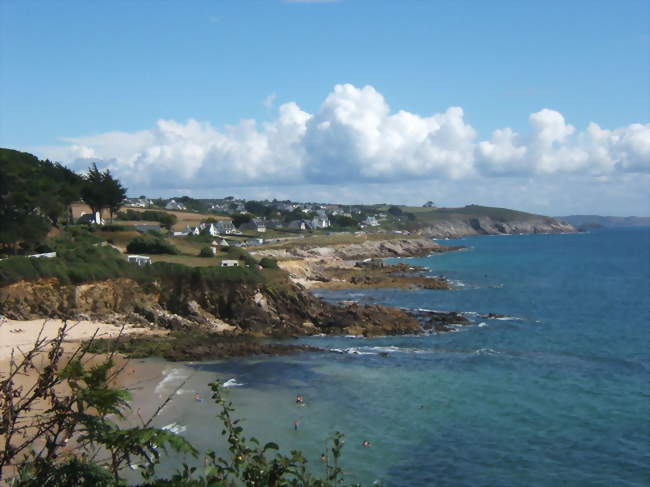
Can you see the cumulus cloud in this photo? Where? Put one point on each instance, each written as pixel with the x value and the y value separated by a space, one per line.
pixel 354 137
pixel 554 147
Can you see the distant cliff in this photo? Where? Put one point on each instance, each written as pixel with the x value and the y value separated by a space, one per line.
pixel 482 220
pixel 606 221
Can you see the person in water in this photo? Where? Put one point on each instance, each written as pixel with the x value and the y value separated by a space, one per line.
pixel 366 444
pixel 300 399
pixel 296 424
pixel 198 398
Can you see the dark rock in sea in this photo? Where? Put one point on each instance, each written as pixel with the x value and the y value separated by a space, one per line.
pixel 442 322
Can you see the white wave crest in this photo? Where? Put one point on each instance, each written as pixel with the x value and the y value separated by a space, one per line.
pixel 175 428
pixel 232 383
pixel 171 378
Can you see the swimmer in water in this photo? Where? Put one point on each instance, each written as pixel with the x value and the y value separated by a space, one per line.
pixel 300 399
pixel 366 444
pixel 296 424
pixel 198 398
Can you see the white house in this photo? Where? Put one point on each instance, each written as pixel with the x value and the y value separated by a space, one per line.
pixel 297 225
pixel 91 218
pixel 320 222
pixel 141 260
pixel 173 205
pixel 225 227
pixel 229 263
pixel 255 225
pixel 371 221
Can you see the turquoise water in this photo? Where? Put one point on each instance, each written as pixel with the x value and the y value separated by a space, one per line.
pixel 557 394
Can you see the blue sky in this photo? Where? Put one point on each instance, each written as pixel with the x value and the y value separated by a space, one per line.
pixel 149 88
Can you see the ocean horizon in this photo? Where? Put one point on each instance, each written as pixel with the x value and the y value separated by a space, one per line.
pixel 551 388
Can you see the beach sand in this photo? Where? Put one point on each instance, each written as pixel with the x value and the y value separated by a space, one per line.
pixel 21 335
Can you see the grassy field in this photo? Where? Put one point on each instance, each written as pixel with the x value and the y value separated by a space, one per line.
pixel 184 217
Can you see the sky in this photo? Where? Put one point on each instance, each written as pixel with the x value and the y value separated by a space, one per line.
pixel 537 106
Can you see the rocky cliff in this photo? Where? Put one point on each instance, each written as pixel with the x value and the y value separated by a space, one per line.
pixel 403 247
pixel 259 310
pixel 461 226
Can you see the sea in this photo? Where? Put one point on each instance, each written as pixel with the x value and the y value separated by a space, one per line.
pixel 554 391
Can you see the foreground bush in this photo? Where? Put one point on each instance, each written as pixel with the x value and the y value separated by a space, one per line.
pixel 76 402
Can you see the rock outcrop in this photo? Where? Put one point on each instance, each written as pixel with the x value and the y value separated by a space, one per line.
pixel 258 310
pixel 403 247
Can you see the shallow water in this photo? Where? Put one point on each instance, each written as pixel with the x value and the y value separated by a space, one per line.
pixel 557 393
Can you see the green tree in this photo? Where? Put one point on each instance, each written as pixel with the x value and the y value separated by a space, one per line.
pixel 34 194
pixel 114 193
pixel 395 210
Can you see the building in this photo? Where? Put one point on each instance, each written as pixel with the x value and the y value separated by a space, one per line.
pixel 319 222
pixel 371 221
pixel 91 219
pixel 173 205
pixel 298 225
pixel 255 225
pixel 140 260
pixel 229 263
pixel 225 227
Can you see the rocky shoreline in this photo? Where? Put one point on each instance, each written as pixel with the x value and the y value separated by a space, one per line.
pixel 233 316
pixel 359 266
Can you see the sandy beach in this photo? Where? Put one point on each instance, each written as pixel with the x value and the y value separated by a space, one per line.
pixel 20 335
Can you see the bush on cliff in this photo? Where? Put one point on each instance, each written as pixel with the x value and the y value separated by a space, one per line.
pixel 151 245
pixel 96 263
pixel 74 266
pixel 269 263
pixel 206 252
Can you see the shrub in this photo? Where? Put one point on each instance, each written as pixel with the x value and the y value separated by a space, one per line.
pixel 116 228
pixel 151 245
pixel 70 266
pixel 206 252
pixel 269 263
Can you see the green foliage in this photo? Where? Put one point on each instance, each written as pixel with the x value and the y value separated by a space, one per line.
pixel 240 218
pixel 71 266
pixel 258 208
pixel 269 263
pixel 150 244
pixel 344 222
pixel 101 190
pixel 395 211
pixel 167 220
pixel 116 228
pixel 33 195
pixel 203 276
pixel 206 252
pixel 193 204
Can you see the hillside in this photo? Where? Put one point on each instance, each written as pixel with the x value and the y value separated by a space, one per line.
pixel 483 220
pixel 606 221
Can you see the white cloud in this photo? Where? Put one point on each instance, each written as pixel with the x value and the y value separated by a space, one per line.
pixel 354 137
pixel 554 147
pixel 269 101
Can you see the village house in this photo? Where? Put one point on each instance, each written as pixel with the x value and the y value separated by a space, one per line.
pixel 320 222
pixel 298 225
pixel 371 221
pixel 255 225
pixel 225 227
pixel 173 205
pixel 229 263
pixel 91 219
